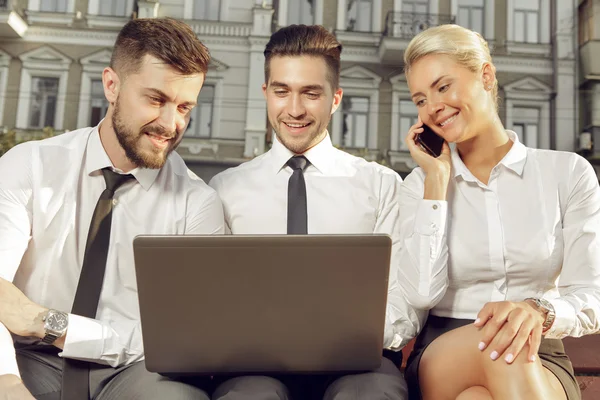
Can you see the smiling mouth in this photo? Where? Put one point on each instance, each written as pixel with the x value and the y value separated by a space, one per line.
pixel 296 125
pixel 448 121
pixel 157 140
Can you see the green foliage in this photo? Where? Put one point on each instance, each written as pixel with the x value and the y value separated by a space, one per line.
pixel 10 139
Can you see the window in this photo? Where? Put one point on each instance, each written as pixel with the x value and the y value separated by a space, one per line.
pixel 54 5
pixel 527 133
pixel 360 15
pixel 471 14
pixel 415 6
pixel 98 102
pixel 526 121
pixel 202 115
pixel 407 117
pixel 206 10
pixel 43 88
pixel 586 22
pixel 4 63
pixel 300 12
pixel 113 7
pixel 44 96
pixel 527 22
pixel 355 123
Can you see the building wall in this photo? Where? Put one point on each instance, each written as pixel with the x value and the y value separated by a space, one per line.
pixel 526 72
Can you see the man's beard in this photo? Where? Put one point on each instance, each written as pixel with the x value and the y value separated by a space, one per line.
pixel 131 142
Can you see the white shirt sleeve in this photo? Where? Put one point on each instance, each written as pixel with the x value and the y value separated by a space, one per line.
pixel 423 250
pixel 403 321
pixel 15 229
pixel 578 307
pixel 120 343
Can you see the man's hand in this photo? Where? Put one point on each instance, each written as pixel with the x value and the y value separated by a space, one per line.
pixel 20 315
pixel 12 388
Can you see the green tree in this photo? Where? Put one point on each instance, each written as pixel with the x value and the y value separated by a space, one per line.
pixel 9 139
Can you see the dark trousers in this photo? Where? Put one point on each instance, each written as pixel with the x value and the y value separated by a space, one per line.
pixel 41 371
pixel 385 383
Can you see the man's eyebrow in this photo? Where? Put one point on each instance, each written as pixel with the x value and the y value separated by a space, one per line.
pixel 163 95
pixel 286 86
pixel 432 85
pixel 278 84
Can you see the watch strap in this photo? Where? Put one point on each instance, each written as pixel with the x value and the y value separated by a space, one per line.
pixel 50 338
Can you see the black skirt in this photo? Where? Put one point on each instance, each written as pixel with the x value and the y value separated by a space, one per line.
pixel 552 356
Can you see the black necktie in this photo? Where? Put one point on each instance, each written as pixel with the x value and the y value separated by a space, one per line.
pixel 297 219
pixel 75 380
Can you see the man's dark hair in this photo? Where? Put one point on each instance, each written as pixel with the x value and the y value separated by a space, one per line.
pixel 303 40
pixel 167 39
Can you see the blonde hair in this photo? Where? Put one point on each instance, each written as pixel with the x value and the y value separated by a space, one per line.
pixel 466 47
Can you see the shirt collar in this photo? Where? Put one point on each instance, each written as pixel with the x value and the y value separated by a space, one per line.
pixel 514 160
pixel 319 156
pixel 97 159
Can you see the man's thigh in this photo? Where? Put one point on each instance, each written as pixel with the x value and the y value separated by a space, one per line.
pixel 135 382
pixel 385 383
pixel 251 388
pixel 41 371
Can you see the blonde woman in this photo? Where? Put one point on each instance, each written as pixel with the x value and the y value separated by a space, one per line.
pixel 516 229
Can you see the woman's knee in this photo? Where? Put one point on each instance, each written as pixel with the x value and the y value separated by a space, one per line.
pixel 475 393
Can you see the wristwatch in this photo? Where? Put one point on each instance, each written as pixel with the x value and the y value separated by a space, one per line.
pixel 547 308
pixel 55 325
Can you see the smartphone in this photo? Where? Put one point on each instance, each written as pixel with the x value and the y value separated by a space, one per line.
pixel 430 141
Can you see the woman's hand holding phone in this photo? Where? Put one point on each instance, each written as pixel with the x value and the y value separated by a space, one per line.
pixel 437 169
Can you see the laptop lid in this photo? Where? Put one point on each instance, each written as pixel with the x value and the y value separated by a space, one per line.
pixel 250 303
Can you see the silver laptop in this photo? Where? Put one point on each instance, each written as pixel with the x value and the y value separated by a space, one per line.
pixel 256 304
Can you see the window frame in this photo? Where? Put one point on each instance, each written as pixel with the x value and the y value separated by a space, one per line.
pixel 4 69
pixel 358 81
pixel 488 17
pixel 93 65
pixel 282 12
pixel 353 114
pixel 42 62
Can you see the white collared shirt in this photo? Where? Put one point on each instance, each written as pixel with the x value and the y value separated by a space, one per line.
pixel 345 195
pixel 532 231
pixel 48 192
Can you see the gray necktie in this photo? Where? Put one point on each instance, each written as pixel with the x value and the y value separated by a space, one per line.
pixel 297 218
pixel 75 380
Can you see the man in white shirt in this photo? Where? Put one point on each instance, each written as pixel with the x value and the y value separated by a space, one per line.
pixel 305 185
pixel 53 226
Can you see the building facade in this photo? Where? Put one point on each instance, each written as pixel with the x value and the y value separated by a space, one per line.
pixel 52 53
pixel 588 37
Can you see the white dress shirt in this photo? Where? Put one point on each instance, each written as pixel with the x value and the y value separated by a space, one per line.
pixel 48 192
pixel 532 231
pixel 345 195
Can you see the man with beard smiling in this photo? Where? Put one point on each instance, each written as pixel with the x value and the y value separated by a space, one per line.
pixel 304 185
pixel 70 207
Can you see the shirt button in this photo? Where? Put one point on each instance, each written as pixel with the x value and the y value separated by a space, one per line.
pixel 435 207
pixel 433 226
pixel 115 201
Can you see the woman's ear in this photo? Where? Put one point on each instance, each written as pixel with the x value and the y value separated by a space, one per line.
pixel 488 75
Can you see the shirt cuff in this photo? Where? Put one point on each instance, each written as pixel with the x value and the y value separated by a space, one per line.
pixel 564 320
pixel 8 358
pixel 431 217
pixel 391 339
pixel 84 339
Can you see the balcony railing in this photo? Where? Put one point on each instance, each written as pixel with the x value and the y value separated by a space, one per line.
pixel 406 25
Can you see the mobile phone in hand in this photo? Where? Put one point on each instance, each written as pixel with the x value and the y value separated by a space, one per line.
pixel 430 141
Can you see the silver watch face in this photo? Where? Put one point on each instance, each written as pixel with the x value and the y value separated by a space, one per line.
pixel 57 321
